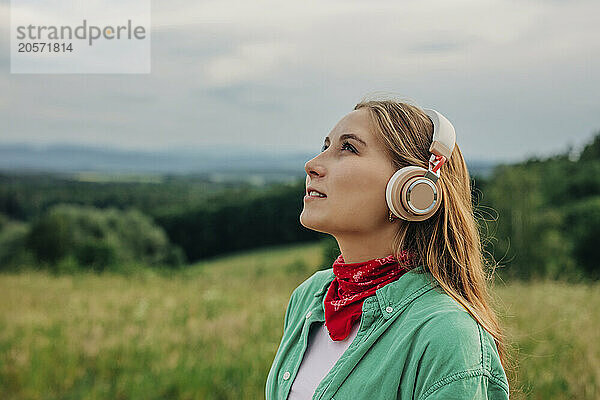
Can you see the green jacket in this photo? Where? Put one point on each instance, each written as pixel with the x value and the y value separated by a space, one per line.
pixel 414 343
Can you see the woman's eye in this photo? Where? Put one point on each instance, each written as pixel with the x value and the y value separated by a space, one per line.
pixel 345 145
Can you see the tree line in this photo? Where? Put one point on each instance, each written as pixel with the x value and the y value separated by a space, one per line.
pixel 538 218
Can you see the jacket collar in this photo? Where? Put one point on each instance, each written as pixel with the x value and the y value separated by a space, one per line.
pixel 396 295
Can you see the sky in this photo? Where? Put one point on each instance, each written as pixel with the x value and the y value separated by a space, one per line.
pixel 516 78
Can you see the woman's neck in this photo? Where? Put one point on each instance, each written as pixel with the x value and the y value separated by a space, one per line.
pixel 360 249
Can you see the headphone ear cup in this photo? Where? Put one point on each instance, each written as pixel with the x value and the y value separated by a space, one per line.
pixel 412 197
pixel 393 192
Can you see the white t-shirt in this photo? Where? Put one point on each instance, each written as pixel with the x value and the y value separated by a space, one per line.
pixel 321 354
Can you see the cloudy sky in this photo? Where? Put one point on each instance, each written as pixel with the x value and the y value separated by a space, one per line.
pixel 516 78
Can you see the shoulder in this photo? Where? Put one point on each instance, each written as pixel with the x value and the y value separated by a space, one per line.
pixel 445 321
pixel 304 294
pixel 455 352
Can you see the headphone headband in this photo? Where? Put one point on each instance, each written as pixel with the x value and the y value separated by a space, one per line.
pixel 444 135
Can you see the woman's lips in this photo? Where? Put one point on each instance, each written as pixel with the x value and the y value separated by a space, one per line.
pixel 307 197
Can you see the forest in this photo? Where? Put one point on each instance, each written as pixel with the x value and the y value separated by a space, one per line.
pixel 537 218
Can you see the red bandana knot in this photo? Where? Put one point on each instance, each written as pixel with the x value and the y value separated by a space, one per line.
pixel 353 283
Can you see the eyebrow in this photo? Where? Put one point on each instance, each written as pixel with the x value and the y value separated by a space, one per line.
pixel 348 136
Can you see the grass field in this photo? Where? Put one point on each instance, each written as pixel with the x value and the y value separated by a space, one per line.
pixel 211 332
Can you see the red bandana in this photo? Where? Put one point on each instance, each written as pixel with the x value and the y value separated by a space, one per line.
pixel 355 282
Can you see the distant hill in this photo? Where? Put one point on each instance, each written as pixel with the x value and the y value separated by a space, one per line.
pixel 221 162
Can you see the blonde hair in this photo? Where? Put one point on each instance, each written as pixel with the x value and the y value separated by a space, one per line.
pixel 448 244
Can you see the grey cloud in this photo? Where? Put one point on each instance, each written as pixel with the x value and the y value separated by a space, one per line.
pixel 508 96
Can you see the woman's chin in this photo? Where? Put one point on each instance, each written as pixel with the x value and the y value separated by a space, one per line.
pixel 312 222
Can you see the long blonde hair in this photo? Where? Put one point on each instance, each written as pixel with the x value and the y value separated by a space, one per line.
pixel 447 244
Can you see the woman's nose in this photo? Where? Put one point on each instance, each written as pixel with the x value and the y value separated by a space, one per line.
pixel 313 167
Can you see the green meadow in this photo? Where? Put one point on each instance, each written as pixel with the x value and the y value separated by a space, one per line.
pixel 211 331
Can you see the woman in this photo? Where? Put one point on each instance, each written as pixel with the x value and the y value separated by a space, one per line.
pixel 404 311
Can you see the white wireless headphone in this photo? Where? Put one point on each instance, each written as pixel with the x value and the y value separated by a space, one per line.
pixel 413 193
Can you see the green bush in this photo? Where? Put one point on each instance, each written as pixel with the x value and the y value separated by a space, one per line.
pixel 96 253
pixel 97 239
pixel 552 253
pixel 14 253
pixel 50 238
pixel 582 223
pixel 547 218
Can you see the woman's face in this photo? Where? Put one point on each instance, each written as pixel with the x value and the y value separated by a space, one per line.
pixel 353 173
